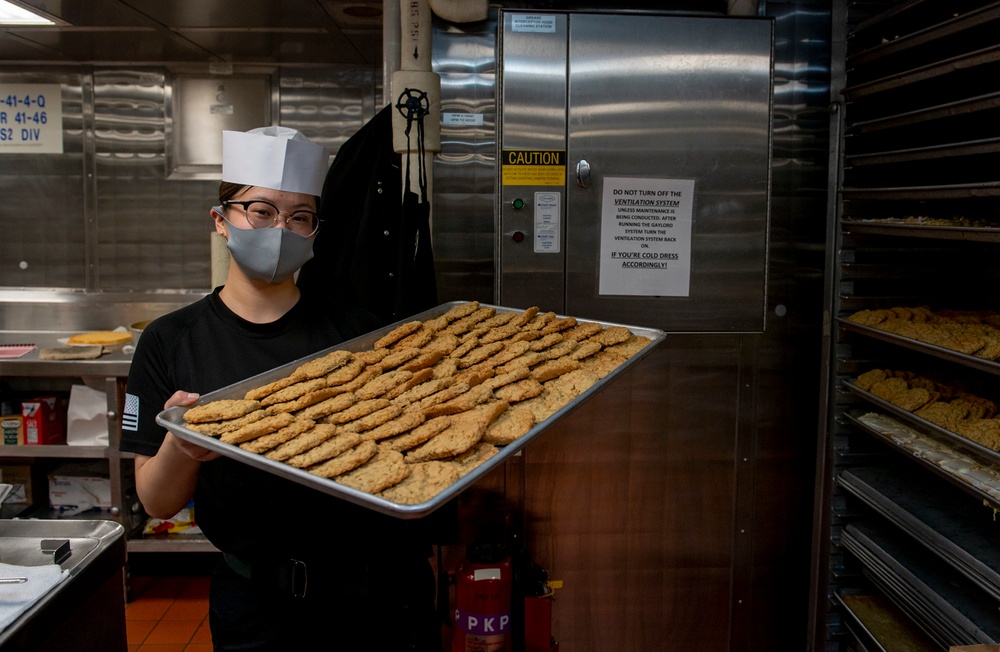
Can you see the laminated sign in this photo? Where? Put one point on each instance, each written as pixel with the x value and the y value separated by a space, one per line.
pixel 31 119
pixel 646 236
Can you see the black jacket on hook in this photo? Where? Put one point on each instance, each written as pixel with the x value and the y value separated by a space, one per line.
pixel 374 248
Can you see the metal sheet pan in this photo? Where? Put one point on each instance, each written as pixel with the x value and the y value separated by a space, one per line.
pixel 173 420
pixel 982 364
pixel 912 419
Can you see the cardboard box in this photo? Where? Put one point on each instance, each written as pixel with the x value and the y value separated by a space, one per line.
pixel 44 421
pixel 79 487
pixel 19 476
pixel 12 430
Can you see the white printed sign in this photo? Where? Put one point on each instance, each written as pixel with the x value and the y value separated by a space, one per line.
pixel 646 237
pixel 541 23
pixel 31 119
pixel 548 235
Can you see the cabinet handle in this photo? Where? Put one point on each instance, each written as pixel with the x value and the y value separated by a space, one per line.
pixel 583 174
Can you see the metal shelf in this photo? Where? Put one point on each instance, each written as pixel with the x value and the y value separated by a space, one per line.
pixel 60 450
pixel 901 230
pixel 971 361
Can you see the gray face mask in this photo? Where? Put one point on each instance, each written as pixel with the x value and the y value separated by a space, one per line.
pixel 270 255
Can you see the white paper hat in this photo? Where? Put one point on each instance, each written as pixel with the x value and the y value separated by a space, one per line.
pixel 279 158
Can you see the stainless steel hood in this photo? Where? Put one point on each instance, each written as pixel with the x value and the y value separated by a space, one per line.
pixel 215 31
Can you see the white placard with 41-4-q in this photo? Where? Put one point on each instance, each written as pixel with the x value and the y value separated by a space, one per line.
pixel 646 237
pixel 31 119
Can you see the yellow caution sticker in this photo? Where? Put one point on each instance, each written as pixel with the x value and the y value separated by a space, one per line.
pixel 533 167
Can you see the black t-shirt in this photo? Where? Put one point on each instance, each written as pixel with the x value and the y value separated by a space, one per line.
pixel 204 347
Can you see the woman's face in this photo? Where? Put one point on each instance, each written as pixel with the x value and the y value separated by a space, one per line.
pixel 255 207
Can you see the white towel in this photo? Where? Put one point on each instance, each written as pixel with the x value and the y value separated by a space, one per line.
pixel 15 599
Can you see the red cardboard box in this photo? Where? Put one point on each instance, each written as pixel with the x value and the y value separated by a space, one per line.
pixel 44 421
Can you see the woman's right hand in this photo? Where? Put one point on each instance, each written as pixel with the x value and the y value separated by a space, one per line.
pixel 194 451
pixel 166 482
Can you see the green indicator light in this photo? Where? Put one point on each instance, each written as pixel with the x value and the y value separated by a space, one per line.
pixel 518 204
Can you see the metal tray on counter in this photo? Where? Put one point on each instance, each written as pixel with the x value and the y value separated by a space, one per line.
pixel 933 428
pixel 173 420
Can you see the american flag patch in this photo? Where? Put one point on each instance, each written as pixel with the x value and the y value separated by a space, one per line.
pixel 130 415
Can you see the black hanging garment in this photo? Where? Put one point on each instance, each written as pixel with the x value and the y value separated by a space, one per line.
pixel 374 249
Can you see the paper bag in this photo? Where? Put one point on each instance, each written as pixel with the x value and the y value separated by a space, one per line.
pixel 87 417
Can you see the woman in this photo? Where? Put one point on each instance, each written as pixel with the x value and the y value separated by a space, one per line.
pixel 300 570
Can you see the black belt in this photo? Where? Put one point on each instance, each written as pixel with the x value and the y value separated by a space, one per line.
pixel 286 575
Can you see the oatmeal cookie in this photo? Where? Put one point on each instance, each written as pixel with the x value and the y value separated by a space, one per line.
pixel 472 458
pixel 356 411
pixel 215 428
pixel 258 428
pixel 426 480
pixel 509 426
pixel 221 410
pixel 383 383
pixel 373 420
pixel 300 444
pixel 345 462
pixel 397 333
pixel 418 435
pixel 338 444
pixel 322 366
pixel 385 469
pixel 271 440
pixel 522 390
pixel 336 403
pixel 293 392
pixel 611 335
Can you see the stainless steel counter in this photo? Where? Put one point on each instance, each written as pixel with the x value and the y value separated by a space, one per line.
pixel 84 612
pixel 114 363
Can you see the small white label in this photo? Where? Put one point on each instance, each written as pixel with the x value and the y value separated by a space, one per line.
pixel 533 23
pixel 219 68
pixel 292 82
pixel 486 574
pixel 221 109
pixel 547 214
pixel 469 119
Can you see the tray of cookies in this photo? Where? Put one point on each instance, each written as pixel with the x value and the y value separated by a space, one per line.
pixel 403 419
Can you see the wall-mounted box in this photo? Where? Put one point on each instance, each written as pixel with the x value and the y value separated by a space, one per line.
pixel 201 108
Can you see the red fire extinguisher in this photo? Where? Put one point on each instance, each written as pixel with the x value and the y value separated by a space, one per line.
pixel 482 600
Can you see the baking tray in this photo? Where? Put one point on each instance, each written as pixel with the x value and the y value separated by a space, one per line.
pixel 173 420
pixel 982 364
pixel 911 418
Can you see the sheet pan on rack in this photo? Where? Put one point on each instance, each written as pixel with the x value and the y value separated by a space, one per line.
pixel 173 420
pixel 928 426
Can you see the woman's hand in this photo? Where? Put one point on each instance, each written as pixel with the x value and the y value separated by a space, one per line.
pixel 166 482
pixel 194 451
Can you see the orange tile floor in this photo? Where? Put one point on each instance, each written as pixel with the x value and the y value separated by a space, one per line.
pixel 168 614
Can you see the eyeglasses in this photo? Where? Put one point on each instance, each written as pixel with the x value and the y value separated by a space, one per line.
pixel 263 215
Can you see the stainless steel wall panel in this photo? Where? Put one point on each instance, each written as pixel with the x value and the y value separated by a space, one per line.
pixel 329 104
pixel 462 223
pixel 42 211
pixel 153 232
